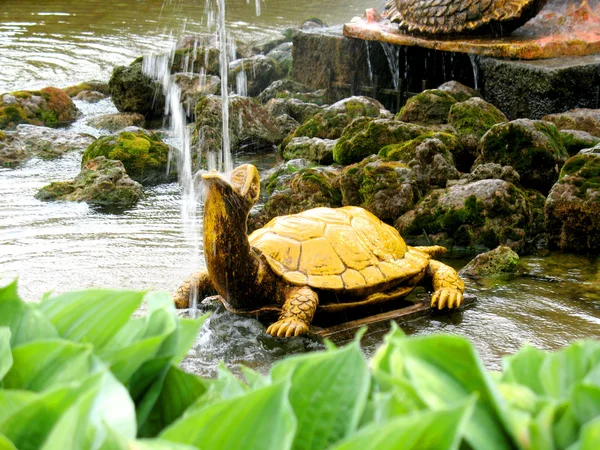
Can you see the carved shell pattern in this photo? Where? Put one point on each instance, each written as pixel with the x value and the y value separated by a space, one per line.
pixel 438 17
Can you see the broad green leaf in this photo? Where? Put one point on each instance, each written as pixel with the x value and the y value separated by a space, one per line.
pixel 328 394
pixel 28 427
pixel 254 379
pixel 13 400
pixel 93 315
pixel 100 412
pixel 44 364
pixel 188 332
pixel 446 369
pixel 439 430
pixel 540 429
pixel 590 435
pixel 585 399
pixel 158 444
pixel 5 444
pixel 524 368
pixel 562 369
pixel 6 359
pixel 565 430
pixel 261 419
pixel 24 320
pixel 176 392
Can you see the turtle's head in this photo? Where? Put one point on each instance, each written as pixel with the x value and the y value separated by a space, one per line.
pixel 243 185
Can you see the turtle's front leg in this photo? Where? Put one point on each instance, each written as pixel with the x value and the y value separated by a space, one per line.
pixel 297 313
pixel 199 284
pixel 448 288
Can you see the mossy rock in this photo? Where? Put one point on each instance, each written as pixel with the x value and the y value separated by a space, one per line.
pixel 472 119
pixel 573 205
pixel 50 107
pixel 202 59
pixel 314 149
pixel 144 155
pixel 304 189
pixel 582 119
pixel 385 188
pixel 458 90
pixel 101 182
pixel 576 140
pixel 532 147
pixel 97 86
pixel 501 261
pixel 258 72
pixel 331 122
pixel 479 215
pixel 427 108
pixel 367 136
pixel 134 92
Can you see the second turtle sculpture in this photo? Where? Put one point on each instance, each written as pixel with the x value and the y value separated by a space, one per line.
pixel 439 18
pixel 331 259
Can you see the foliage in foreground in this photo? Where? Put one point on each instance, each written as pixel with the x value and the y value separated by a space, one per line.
pixel 76 371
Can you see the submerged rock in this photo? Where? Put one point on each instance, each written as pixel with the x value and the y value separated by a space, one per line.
pixel 582 119
pixel 367 136
pixel 101 182
pixel 500 261
pixel 134 92
pixel 117 121
pixel 573 204
pixel 144 155
pixel 482 214
pixel 532 147
pixel 50 107
pixel 429 107
pixel 29 141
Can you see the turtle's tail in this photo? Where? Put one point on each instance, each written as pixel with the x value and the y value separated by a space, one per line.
pixel 434 251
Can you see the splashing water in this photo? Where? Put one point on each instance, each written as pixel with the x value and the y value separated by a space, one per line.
pixel 392 53
pixel 475 64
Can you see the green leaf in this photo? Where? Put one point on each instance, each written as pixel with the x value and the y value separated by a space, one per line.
pixel 446 369
pixel 176 392
pixel 29 426
pixel 93 315
pixel 44 364
pixel 6 359
pixel 158 444
pixel 261 419
pixel 328 394
pixel 439 430
pixel 13 400
pixel 100 412
pixel 5 444
pixel 585 399
pixel 564 368
pixel 24 320
pixel 590 435
pixel 254 379
pixel 524 368
pixel 188 332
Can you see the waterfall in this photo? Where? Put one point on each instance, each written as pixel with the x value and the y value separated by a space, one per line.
pixel 392 54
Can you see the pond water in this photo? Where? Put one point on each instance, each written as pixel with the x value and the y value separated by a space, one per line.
pixel 69 246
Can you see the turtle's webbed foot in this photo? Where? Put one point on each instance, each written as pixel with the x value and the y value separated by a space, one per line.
pixel 287 328
pixel 446 298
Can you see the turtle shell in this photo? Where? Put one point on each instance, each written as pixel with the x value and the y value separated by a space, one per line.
pixel 344 249
pixel 443 17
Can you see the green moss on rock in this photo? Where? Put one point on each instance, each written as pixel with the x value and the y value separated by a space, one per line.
pixel 532 147
pixel 143 153
pixel 428 108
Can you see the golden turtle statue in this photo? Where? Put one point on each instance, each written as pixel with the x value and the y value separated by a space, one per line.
pixel 334 259
pixel 452 17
